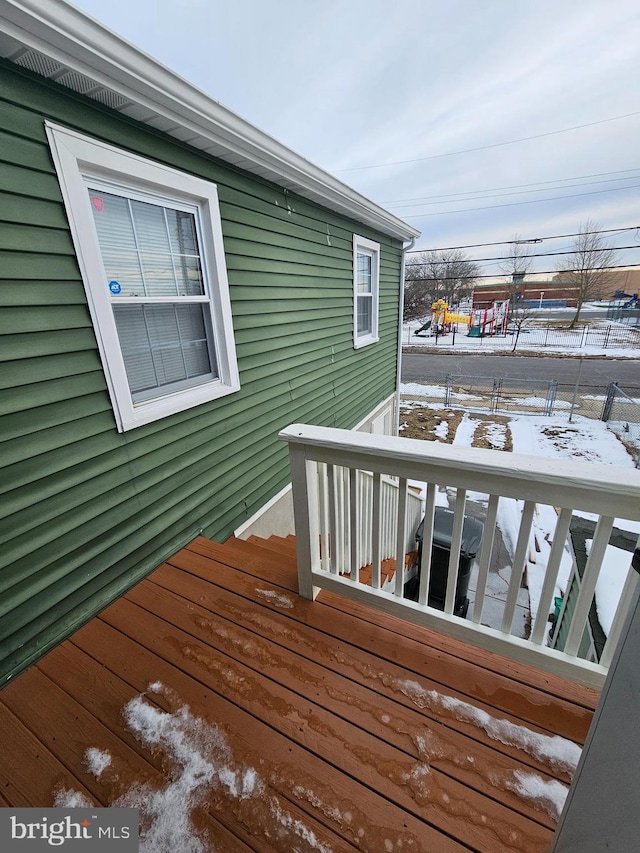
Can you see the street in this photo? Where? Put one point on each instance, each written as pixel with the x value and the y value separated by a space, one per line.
pixel 596 372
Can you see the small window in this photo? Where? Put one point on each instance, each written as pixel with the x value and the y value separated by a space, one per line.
pixel 149 244
pixel 366 272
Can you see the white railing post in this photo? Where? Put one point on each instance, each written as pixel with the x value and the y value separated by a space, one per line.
pixel 376 532
pixel 401 535
pixel 354 527
pixel 333 515
pixel 323 517
pixel 304 482
pixel 427 544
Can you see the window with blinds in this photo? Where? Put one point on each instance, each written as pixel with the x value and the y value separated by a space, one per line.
pixel 366 266
pixel 149 244
pixel 152 263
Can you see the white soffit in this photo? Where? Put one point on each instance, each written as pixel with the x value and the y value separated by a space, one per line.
pixel 61 43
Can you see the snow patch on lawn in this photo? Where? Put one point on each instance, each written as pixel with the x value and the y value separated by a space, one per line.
pixel 496 435
pixel 442 430
pixel 417 389
pixel 465 432
pixel 554 438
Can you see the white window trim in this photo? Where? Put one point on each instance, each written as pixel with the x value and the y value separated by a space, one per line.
pixel 77 156
pixel 361 244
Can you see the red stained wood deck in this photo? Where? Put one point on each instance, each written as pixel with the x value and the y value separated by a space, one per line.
pixel 323 725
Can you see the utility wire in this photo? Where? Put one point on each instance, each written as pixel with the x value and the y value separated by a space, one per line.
pixel 451 200
pixel 513 186
pixel 485 147
pixel 531 240
pixel 536 272
pixel 518 203
pixel 523 257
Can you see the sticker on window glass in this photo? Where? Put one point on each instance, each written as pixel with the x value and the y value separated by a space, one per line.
pixel 97 202
pixel 115 287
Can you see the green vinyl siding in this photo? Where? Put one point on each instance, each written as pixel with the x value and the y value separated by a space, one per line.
pixel 585 646
pixel 87 511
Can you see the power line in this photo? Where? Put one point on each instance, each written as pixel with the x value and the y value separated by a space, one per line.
pixel 538 272
pixel 513 186
pixel 531 240
pixel 521 257
pixel 492 145
pixel 450 200
pixel 518 203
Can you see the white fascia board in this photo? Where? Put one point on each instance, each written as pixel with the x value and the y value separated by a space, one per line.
pixel 76 41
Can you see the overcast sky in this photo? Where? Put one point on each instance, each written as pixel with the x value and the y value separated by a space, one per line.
pixel 392 96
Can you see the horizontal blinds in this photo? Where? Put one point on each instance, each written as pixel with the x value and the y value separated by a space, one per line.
pixel 148 249
pixel 163 345
pixel 365 314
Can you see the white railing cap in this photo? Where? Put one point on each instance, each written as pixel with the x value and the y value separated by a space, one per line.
pixel 603 489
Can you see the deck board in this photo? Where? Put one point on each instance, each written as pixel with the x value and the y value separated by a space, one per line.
pixel 360 669
pixel 478 683
pixel 268 671
pixel 337 711
pixel 29 773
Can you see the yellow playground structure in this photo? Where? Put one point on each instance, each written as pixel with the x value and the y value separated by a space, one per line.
pixel 442 320
pixel 479 322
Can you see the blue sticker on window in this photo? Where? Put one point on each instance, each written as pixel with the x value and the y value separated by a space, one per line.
pixel 115 287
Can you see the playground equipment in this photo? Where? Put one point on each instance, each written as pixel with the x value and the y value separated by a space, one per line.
pixel 489 321
pixel 631 297
pixel 441 321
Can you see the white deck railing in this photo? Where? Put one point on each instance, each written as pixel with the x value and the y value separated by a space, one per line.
pixel 324 510
pixel 346 506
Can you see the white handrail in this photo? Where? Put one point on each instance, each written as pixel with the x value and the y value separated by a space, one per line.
pixel 366 462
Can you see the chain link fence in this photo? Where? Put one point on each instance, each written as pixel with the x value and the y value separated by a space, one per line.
pixel 622 415
pixel 509 396
pixel 605 336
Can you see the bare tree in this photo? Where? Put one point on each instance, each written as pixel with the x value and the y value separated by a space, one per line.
pixel 519 261
pixel 520 313
pixel 433 275
pixel 586 267
pixel 516 266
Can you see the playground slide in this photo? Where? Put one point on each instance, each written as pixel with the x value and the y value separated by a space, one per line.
pixel 424 328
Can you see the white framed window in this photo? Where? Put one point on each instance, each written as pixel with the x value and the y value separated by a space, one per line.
pixel 366 274
pixel 149 244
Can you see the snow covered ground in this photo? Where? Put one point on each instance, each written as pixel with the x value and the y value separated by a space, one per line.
pixel 549 437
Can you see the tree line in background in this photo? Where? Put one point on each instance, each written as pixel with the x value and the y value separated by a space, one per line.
pixel 450 274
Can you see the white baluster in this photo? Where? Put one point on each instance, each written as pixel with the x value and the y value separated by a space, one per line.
pixel 517 570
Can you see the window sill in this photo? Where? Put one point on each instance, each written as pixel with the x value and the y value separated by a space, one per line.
pixel 365 341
